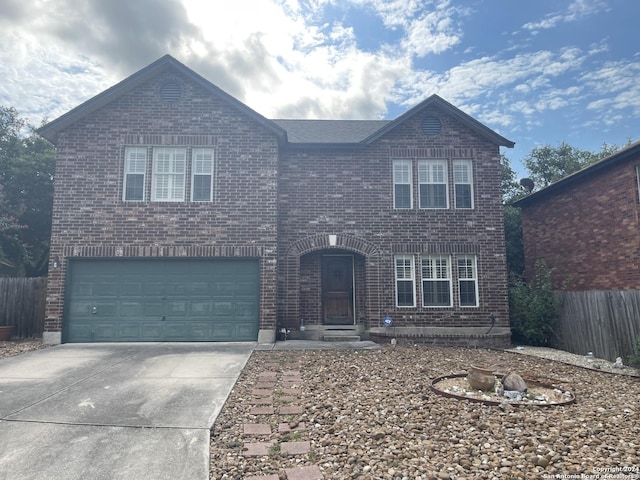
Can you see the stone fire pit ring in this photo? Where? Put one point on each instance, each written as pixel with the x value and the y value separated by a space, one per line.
pixel 568 397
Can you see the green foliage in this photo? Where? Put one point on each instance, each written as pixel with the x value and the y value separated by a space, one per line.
pixel 533 307
pixel 513 239
pixel 26 196
pixel 634 360
pixel 548 164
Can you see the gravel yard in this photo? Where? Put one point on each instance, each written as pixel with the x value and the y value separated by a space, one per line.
pixel 372 415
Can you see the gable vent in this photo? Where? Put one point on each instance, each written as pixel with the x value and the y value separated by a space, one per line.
pixel 170 92
pixel 431 125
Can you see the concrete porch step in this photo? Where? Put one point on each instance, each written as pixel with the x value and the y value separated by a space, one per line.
pixel 341 338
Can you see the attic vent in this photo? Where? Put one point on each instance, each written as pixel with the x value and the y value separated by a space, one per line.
pixel 431 125
pixel 170 92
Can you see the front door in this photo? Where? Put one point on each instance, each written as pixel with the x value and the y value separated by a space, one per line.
pixel 337 289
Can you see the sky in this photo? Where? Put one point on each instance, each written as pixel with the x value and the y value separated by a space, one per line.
pixel 537 72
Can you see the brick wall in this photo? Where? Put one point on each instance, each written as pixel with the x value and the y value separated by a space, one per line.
pixel 348 193
pixel 90 218
pixel 588 231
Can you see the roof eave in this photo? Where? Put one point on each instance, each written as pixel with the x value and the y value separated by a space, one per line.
pixel 467 120
pixel 51 129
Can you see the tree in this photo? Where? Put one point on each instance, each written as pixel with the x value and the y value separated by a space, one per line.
pixel 548 164
pixel 26 198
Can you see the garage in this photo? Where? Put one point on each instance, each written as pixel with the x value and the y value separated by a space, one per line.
pixel 168 300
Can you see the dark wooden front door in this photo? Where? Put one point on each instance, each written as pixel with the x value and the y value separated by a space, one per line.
pixel 337 289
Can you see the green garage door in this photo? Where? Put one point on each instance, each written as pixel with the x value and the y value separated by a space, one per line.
pixel 119 300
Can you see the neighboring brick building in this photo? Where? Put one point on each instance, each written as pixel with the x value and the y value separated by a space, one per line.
pixel 586 226
pixel 181 214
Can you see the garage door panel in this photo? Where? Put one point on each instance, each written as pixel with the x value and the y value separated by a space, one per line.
pixel 153 308
pixel 153 289
pixel 130 309
pixel 131 289
pixel 177 308
pixel 162 300
pixel 199 308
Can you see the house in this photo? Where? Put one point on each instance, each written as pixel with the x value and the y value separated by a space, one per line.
pixel 586 225
pixel 180 214
pixel 585 228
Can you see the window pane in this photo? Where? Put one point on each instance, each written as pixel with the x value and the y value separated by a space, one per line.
pixel 169 167
pixel 463 196
pixel 201 188
pixel 202 166
pixel 134 187
pixel 405 293
pixel 135 166
pixel 436 281
pixel 467 281
pixel 433 196
pixel 468 293
pixel 402 178
pixel 436 293
pixel 432 180
pixel 463 183
pixel 405 281
pixel 403 196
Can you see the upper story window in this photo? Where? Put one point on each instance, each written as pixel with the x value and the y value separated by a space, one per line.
pixel 177 174
pixel 463 183
pixel 169 169
pixel 435 176
pixel 433 183
pixel 402 184
pixel 135 169
pixel 202 164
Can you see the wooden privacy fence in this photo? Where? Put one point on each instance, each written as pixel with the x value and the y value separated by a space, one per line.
pixel 22 304
pixel 603 322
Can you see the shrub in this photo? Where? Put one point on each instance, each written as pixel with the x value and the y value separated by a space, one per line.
pixel 634 360
pixel 533 307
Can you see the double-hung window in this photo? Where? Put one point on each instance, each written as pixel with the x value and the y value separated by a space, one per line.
pixel 468 280
pixel 169 169
pixel 402 184
pixel 436 281
pixel 405 281
pixel 135 168
pixel 463 183
pixel 202 168
pixel 433 184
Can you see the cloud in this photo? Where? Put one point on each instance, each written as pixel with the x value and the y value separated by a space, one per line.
pixel 577 10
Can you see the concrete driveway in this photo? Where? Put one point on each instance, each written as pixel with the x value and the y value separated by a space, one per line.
pixel 114 411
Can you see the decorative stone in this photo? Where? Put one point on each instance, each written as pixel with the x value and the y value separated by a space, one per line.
pixel 514 382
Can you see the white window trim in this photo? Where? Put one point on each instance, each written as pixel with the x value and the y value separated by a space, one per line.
pixel 426 280
pixel 408 163
pixel 474 259
pixel 171 175
pixel 412 278
pixel 194 153
pixel 469 164
pixel 421 181
pixel 127 152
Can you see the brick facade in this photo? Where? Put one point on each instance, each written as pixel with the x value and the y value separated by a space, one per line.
pixel 349 193
pixel 284 203
pixel 90 219
pixel 586 228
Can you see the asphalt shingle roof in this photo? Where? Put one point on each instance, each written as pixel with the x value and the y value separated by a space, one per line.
pixel 329 131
